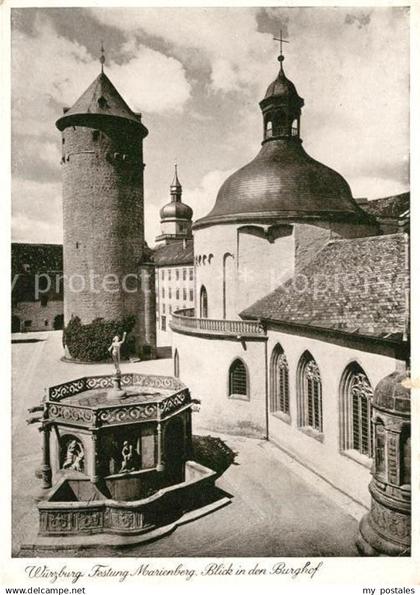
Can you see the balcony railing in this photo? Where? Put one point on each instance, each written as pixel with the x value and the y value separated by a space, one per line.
pixel 185 321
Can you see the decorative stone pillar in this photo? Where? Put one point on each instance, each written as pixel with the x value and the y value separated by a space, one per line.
pixel 159 465
pixel 92 467
pixel 386 529
pixel 46 459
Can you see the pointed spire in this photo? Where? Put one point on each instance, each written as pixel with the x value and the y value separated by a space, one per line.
pixel 102 57
pixel 176 188
pixel 175 182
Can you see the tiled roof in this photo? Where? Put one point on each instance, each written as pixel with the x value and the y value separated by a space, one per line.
pixel 354 286
pixel 389 207
pixel 29 260
pixel 101 98
pixel 176 252
pixel 36 258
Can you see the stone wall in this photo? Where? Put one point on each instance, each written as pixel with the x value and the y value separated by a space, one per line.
pixel 103 222
pixel 41 317
pixel 204 364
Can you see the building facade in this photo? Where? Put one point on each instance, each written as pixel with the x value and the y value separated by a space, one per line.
pixel 174 261
pixel 37 287
pixel 301 306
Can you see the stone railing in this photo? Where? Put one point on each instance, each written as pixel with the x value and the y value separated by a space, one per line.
pixel 185 321
pixel 79 385
pixel 155 408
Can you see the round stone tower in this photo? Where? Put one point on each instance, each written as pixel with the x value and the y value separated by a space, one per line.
pixel 102 162
pixel 386 529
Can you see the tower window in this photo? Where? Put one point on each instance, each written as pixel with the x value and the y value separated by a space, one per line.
pixel 102 102
pixel 309 393
pixel 95 134
pixel 269 129
pixel 238 379
pixel 355 404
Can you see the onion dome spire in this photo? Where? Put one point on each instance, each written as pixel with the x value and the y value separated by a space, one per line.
pixel 176 208
pixel 176 188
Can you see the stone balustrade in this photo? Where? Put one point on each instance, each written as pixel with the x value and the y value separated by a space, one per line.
pixel 185 321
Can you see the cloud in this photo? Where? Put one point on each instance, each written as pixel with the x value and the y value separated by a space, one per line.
pixel 36 212
pixel 150 81
pixel 202 198
pixel 235 53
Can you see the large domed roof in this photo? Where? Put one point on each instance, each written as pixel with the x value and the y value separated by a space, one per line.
pixel 283 181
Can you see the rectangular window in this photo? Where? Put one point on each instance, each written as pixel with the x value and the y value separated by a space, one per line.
pixel 169 274
pixel 170 309
pixel 163 308
pixel 177 274
pixel 170 293
pixel 163 274
pixel 163 292
pixel 184 294
pixel 177 294
pixel 184 274
pixel 191 274
pixel 163 323
pixel 191 295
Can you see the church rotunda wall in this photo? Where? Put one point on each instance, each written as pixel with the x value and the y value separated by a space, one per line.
pixel 238 264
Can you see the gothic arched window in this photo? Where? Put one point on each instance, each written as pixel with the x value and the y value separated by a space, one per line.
pixel 355 405
pixel 279 382
pixel 238 379
pixel 203 303
pixel 309 393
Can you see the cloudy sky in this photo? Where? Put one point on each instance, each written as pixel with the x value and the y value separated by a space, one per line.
pixel 197 74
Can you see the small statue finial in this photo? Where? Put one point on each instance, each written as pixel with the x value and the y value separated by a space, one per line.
pixel 102 58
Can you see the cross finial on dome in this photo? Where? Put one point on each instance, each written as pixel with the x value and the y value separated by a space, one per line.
pixel 102 58
pixel 281 40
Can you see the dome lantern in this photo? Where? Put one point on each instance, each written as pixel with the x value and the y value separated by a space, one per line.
pixel 281 106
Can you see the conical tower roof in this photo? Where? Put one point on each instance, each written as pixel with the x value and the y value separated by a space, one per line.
pixel 102 99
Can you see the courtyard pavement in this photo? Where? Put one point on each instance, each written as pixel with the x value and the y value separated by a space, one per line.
pixel 278 508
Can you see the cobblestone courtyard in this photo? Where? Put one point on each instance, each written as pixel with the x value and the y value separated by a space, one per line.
pixel 277 507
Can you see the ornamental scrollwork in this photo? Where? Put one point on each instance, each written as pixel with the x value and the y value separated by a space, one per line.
pixel 312 371
pixel 127 414
pixel 69 414
pixel 360 386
